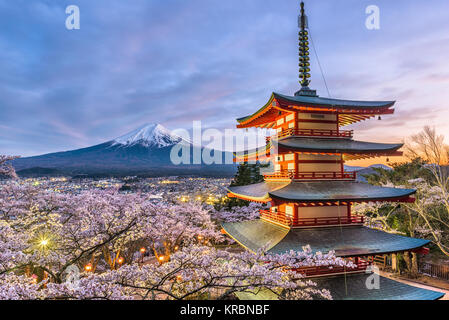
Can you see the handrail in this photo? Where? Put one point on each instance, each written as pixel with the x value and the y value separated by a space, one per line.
pixel 282 218
pixel 360 265
pixel 314 133
pixel 292 174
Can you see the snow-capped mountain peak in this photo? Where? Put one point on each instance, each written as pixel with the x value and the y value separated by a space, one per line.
pixel 149 135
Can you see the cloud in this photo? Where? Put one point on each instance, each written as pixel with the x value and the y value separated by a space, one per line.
pixel 177 61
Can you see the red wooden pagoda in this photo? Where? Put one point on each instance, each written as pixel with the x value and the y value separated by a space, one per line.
pixel 308 190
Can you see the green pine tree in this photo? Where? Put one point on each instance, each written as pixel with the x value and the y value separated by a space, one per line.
pixel 246 174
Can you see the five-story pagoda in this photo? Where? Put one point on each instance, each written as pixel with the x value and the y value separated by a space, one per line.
pixel 309 193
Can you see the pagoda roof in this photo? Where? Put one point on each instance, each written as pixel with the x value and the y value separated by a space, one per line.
pixel 346 241
pixel 351 149
pixel 335 103
pixel 353 287
pixel 329 190
pixel 346 108
pixel 347 146
pixel 259 191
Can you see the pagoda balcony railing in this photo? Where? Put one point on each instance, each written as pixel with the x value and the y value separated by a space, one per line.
pixel 320 133
pixel 323 175
pixel 281 218
pixel 316 271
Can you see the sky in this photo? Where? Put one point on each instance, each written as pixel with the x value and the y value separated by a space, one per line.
pixel 174 62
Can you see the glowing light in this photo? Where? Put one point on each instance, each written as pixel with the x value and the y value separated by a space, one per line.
pixel 120 260
pixel 169 182
pixel 176 248
pixel 44 242
pixel 142 250
pixel 88 267
pixel 161 258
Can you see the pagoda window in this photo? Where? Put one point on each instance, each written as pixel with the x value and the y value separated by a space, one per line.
pixel 279 158
pixel 323 212
pixel 314 116
pixel 291 166
pixel 291 125
pixel 289 211
pixel 317 121
pixel 289 157
pixel 319 163
pixel 279 130
pixel 277 167
pixel 290 117
pixel 280 121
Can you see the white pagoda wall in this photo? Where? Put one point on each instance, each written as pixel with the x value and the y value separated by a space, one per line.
pixel 321 212
pixel 317 125
pixel 319 167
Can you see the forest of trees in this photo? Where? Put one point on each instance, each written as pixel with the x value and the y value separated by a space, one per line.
pixel 428 217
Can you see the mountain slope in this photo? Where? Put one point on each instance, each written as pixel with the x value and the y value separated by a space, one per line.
pixel 361 171
pixel 145 150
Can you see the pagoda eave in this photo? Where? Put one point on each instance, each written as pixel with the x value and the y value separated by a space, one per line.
pixel 353 287
pixel 347 241
pixel 265 199
pixel 334 146
pixel 349 111
pixel 320 191
pixel 350 149
pixel 265 156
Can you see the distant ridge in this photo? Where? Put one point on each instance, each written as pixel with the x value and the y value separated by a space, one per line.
pixel 361 171
pixel 38 171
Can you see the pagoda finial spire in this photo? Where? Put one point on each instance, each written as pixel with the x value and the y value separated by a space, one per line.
pixel 304 60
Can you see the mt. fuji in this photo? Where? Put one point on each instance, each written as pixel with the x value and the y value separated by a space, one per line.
pixel 149 135
pixel 144 151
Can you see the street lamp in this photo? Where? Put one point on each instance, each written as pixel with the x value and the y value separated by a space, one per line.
pixel 142 253
pixel 88 267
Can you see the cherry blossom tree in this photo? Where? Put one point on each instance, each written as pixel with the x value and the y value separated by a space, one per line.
pixel 170 226
pixel 200 272
pixel 196 272
pixel 85 246
pixel 237 213
pixel 60 230
pixel 5 167
pixel 432 209
pixel 428 173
